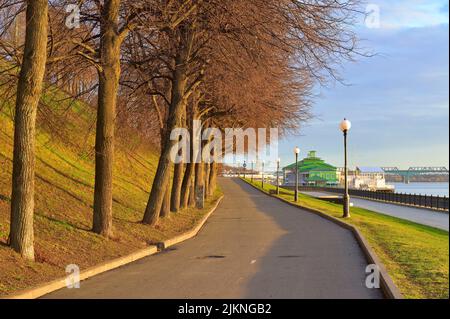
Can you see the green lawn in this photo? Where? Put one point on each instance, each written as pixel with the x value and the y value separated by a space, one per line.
pixel 416 256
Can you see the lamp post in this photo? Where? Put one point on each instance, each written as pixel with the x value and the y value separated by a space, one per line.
pixel 239 169
pixel 345 127
pixel 278 178
pixel 245 167
pixel 262 175
pixel 296 151
pixel 253 172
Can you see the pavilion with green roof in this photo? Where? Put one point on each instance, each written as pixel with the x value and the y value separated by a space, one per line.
pixel 312 170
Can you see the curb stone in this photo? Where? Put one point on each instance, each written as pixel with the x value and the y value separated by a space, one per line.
pixel 191 233
pixel 46 288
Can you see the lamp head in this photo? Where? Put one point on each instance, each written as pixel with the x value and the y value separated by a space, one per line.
pixel 297 150
pixel 345 125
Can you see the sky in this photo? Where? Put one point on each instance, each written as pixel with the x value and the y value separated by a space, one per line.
pixel 397 101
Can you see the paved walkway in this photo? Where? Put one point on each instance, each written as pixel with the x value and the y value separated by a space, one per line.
pixel 253 246
pixel 418 215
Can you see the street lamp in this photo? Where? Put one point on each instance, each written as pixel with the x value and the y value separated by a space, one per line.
pixel 253 172
pixel 296 151
pixel 262 175
pixel 245 167
pixel 345 127
pixel 278 178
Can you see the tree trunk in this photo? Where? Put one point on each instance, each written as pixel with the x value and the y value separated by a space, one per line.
pixel 199 185
pixel 165 207
pixel 106 113
pixel 207 172
pixel 186 185
pixel 176 187
pixel 29 89
pixel 177 182
pixel 192 192
pixel 189 172
pixel 161 179
pixel 212 178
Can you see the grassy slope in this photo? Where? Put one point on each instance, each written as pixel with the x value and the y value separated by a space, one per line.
pixel 416 256
pixel 64 195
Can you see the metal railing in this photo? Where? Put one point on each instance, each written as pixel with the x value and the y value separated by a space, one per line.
pixel 427 201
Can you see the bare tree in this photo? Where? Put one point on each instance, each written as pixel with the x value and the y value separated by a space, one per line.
pixel 28 94
pixel 108 75
pixel 111 21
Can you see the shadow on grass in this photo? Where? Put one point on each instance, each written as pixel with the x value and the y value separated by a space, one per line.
pixel 68 162
pixel 65 175
pixel 5 198
pixel 64 223
pixel 43 179
pixel 4 244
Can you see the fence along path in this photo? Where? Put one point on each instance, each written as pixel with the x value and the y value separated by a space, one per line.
pixel 425 201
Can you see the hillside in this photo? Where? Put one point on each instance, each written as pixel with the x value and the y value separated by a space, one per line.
pixel 64 196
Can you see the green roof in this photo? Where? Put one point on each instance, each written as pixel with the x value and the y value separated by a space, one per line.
pixel 312 163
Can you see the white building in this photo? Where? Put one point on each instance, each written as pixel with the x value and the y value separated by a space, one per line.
pixel 371 178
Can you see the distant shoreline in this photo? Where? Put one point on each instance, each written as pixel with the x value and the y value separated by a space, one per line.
pixel 418 179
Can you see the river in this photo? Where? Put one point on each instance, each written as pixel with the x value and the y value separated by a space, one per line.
pixel 435 189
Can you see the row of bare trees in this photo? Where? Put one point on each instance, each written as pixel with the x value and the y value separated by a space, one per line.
pixel 157 65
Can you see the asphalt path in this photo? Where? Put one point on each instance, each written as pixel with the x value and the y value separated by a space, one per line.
pixel 253 246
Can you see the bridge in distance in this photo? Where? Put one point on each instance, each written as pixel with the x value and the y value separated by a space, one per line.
pixel 416 170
